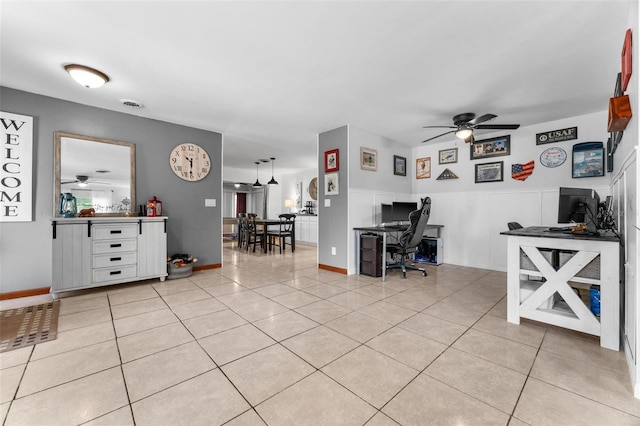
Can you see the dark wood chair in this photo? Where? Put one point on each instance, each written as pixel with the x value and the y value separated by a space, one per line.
pixel 252 235
pixel 285 230
pixel 242 219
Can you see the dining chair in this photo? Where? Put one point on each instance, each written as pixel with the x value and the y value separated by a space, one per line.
pixel 242 219
pixel 252 235
pixel 285 230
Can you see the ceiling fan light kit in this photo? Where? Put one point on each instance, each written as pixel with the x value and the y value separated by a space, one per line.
pixel 464 124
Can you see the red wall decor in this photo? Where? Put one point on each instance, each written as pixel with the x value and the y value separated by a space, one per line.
pixel 626 60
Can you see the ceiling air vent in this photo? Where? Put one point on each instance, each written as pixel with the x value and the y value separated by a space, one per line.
pixel 131 103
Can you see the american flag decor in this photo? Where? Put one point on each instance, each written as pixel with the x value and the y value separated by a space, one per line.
pixel 522 171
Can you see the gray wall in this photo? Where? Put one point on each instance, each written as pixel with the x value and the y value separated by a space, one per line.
pixel 333 226
pixel 25 247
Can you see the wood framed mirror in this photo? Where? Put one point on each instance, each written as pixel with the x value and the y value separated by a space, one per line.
pixel 100 173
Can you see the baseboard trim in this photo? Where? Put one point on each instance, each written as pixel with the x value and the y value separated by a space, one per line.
pixel 25 293
pixel 204 267
pixel 332 269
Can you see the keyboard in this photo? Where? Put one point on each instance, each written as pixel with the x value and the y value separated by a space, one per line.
pixel 560 229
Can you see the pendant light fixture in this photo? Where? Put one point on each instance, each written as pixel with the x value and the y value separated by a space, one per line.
pixel 86 76
pixel 272 181
pixel 257 184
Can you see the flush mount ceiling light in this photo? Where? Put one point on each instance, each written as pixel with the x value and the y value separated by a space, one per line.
pixel 86 76
pixel 272 181
pixel 257 184
pixel 463 133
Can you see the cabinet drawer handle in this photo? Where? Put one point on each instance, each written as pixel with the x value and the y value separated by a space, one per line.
pixel 115 259
pixel 116 245
pixel 115 272
pixel 116 231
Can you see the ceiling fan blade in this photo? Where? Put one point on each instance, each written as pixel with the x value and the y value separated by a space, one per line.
pixel 67 182
pixel 498 126
pixel 435 137
pixel 482 119
pixel 439 127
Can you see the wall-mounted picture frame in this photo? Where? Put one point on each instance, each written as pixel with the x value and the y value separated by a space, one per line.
pixel 368 159
pixel 448 156
pixel 587 160
pixel 494 147
pixel 331 161
pixel 490 172
pixel 423 168
pixel 331 184
pixel 626 60
pixel 399 165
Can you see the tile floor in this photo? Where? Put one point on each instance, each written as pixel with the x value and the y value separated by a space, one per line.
pixel 270 339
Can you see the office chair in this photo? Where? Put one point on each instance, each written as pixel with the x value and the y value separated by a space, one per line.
pixel 409 239
pixel 284 231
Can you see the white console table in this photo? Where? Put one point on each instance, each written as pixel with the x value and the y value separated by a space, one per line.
pixel 589 260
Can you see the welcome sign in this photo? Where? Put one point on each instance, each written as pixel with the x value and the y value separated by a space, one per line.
pixel 16 177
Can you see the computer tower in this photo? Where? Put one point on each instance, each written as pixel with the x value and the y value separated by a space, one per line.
pixel 430 250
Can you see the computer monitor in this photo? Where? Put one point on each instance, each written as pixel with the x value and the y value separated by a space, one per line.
pixel 579 205
pixel 401 210
pixel 386 213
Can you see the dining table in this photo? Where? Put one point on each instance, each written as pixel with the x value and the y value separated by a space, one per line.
pixel 266 223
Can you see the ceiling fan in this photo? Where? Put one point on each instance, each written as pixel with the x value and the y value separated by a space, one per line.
pixel 83 180
pixel 466 123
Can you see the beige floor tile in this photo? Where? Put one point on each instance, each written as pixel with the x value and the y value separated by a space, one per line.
pixel 72 305
pixel 505 352
pixel 68 366
pixel 409 348
pixel 177 299
pixel 296 299
pixel 148 342
pixel 322 311
pixel 491 383
pixel 15 357
pixel 208 399
pixel 427 398
pixel 4 408
pixel 222 289
pixel 119 296
pixel 516 422
pixel 174 286
pixel 500 309
pixel 414 301
pixel 437 329
pixel 248 418
pixel 156 372
pixel 74 339
pixel 232 344
pixel 10 379
pixel 138 323
pixel 254 311
pixel 213 323
pixel 240 298
pixel 315 400
pixel 605 386
pixel 136 308
pixel 352 300
pixel 586 350
pixel 324 290
pixel 320 346
pixel 359 327
pixel 274 290
pixel 453 313
pixel 301 282
pixel 474 301
pixel 387 312
pixel 285 325
pixel 381 420
pixel 263 374
pixel 120 417
pixel 376 291
pixel 545 404
pixel 373 376
pixel 83 319
pixel 198 308
pixel 97 394
pixel 528 334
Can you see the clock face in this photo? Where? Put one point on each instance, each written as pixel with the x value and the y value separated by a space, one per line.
pixel 190 162
pixel 313 188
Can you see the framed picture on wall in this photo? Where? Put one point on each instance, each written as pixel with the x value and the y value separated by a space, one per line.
pixel 448 156
pixel 331 184
pixel 423 168
pixel 368 159
pixel 490 172
pixel 399 165
pixel 331 161
pixel 494 147
pixel 587 160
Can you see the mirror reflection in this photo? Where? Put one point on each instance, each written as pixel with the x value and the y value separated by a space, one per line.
pixel 99 173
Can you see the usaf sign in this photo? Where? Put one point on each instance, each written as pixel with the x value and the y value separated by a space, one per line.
pixel 16 172
pixel 557 135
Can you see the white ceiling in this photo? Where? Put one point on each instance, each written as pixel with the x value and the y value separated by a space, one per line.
pixel 271 75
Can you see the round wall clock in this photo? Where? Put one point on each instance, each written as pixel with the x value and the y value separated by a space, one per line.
pixel 553 157
pixel 190 162
pixel 313 188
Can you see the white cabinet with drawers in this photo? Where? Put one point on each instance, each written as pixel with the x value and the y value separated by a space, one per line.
pixel 97 251
pixel 307 228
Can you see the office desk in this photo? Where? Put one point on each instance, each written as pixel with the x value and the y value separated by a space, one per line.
pixel 589 260
pixel 384 231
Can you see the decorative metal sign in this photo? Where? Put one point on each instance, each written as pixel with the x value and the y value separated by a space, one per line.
pixel 553 157
pixel 557 135
pixel 16 179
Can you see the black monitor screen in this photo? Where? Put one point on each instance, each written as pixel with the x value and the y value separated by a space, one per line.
pixel 401 210
pixel 387 213
pixel 578 205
